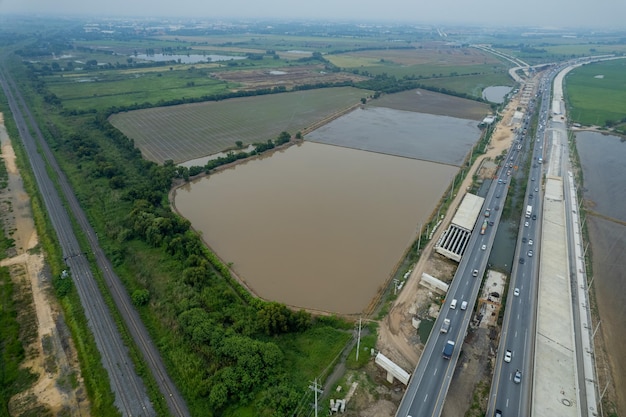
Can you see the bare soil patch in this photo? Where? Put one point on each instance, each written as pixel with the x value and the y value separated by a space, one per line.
pixel 59 389
pixel 425 101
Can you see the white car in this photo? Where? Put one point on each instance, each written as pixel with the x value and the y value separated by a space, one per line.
pixel 464 305
pixel 507 356
pixel 483 247
pixel 516 292
pixel 530 242
pixel 526 224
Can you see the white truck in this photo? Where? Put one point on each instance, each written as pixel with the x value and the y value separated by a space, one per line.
pixel 529 211
pixel 446 326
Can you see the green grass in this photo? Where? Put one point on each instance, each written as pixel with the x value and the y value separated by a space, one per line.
pixel 104 89
pixel 593 101
pixel 471 84
pixel 311 353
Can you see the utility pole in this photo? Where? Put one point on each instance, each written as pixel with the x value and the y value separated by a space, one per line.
pixel 317 391
pixel 594 332
pixel 358 341
pixel 419 238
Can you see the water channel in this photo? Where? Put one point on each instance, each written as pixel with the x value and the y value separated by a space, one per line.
pixel 602 159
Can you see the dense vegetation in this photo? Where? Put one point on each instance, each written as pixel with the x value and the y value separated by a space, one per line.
pixel 229 353
pixel 226 349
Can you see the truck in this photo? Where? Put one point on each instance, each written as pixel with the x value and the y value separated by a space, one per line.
pixel 446 326
pixel 529 211
pixel 483 228
pixel 448 349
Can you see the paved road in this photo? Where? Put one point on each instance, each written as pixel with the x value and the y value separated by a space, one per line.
pixel 427 390
pixel 130 393
pixel 518 330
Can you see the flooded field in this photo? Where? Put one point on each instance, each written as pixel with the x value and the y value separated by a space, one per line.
pixel 187 58
pixel 605 193
pixel 315 226
pixel 496 94
pixel 429 137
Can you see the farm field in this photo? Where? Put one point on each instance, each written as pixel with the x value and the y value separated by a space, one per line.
pixel 101 90
pixel 286 76
pixel 597 93
pixel 430 61
pixel 473 85
pixel 424 101
pixel 427 137
pixel 190 131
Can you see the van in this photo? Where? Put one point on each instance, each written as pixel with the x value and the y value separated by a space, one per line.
pixel 453 304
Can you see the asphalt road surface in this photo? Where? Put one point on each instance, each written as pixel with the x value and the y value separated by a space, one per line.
pixel 431 379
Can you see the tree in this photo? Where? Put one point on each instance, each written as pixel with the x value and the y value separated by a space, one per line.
pixel 273 319
pixel 140 297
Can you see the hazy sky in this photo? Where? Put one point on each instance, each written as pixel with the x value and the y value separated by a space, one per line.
pixel 553 13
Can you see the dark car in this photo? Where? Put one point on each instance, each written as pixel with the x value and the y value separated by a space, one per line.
pixel 522 260
pixel 534 217
pixel 524 240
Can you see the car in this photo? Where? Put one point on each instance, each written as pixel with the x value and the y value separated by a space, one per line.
pixel 497 195
pixel 518 377
pixel 532 179
pixel 500 181
pixel 536 189
pixel 522 260
pixel 496 208
pixel 507 356
pixel 534 217
pixel 491 223
pixel 530 253
pixel 475 273
pixel 497 414
pixel 526 224
pixel 516 292
pixel 530 242
pixel 464 305
pixel 530 196
pixel 453 304
pixel 483 247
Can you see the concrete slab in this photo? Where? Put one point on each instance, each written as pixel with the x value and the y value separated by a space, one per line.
pixel 554 375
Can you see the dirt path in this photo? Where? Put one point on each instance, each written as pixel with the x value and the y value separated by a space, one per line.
pixel 59 387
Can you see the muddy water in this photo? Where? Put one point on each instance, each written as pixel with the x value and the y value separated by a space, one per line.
pixel 315 226
pixel 602 159
pixel 496 94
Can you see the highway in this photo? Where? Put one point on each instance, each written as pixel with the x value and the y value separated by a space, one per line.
pixel 130 392
pixel 427 390
pixel 512 398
